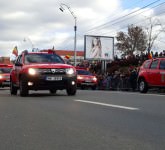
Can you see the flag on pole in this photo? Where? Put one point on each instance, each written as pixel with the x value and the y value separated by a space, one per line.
pixel 150 56
pixel 67 56
pixel 15 51
pixel 14 54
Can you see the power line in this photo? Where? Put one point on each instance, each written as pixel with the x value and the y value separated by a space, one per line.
pixel 79 35
pixel 115 13
pixel 139 13
pixel 134 16
pixel 109 22
pixel 113 32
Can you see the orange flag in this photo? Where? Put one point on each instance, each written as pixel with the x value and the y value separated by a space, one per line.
pixel 150 56
pixel 15 51
pixel 67 56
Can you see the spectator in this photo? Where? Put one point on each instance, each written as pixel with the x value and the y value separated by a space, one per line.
pixel 133 79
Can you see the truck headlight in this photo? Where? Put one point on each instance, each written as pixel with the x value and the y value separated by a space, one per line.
pixel 79 77
pixel 32 71
pixel 70 71
pixel 1 76
pixel 94 79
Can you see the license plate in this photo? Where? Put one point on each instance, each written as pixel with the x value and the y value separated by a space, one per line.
pixel 87 80
pixel 53 78
pixel 6 83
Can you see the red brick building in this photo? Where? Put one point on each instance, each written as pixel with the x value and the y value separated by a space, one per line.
pixel 5 60
pixel 62 53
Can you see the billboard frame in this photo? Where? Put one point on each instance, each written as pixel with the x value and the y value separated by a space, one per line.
pixel 101 37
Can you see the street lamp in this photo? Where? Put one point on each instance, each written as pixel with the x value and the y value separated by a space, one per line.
pixel 28 39
pixel 75 27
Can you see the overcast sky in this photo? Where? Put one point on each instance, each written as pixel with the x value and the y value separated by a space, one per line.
pixel 41 24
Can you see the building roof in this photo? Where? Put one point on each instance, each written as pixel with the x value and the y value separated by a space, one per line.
pixel 6 60
pixel 69 52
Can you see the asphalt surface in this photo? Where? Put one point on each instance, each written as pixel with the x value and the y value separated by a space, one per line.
pixel 91 120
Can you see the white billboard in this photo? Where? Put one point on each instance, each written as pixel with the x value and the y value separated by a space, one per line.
pixel 99 47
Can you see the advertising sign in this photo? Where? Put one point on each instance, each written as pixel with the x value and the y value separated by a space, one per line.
pixel 99 47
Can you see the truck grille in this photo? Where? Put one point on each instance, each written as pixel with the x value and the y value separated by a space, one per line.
pixel 53 71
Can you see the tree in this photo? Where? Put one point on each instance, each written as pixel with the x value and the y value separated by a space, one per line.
pixel 152 33
pixel 134 40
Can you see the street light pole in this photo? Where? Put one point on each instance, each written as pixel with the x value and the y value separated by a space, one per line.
pixel 75 28
pixel 25 39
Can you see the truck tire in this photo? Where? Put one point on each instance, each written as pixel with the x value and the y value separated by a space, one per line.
pixel 23 88
pixel 71 90
pixel 93 87
pixel 143 87
pixel 52 91
pixel 13 89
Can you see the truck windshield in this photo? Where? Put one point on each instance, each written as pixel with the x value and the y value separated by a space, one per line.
pixel 162 64
pixel 5 70
pixel 43 58
pixel 83 72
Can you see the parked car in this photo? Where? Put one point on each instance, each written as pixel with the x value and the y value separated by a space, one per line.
pixel 86 79
pixel 5 75
pixel 43 70
pixel 152 74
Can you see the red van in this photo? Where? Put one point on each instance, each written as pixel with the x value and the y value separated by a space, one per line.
pixel 5 74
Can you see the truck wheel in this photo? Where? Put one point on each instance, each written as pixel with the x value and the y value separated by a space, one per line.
pixel 93 87
pixel 13 89
pixel 53 91
pixel 143 88
pixel 23 88
pixel 71 90
pixel 82 87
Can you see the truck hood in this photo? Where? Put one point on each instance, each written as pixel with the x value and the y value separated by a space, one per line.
pixel 48 66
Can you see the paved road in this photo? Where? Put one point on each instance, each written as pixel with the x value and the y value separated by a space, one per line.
pixel 91 120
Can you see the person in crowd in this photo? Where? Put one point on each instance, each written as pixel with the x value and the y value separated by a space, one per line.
pixel 156 54
pixel 163 52
pixel 116 80
pixel 109 81
pixel 133 79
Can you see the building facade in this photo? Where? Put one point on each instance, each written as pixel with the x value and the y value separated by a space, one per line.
pixel 65 54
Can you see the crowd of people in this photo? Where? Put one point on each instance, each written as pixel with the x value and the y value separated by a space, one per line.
pixel 118 80
pixel 121 74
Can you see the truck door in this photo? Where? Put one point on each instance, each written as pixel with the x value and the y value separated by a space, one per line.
pixel 162 73
pixel 154 72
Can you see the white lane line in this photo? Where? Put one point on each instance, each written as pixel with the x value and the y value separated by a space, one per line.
pixel 134 93
pixel 109 105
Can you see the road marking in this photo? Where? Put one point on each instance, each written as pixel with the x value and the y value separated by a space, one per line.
pixel 109 105
pixel 136 93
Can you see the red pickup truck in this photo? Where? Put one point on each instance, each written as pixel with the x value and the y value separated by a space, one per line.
pixel 43 70
pixel 5 74
pixel 152 74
